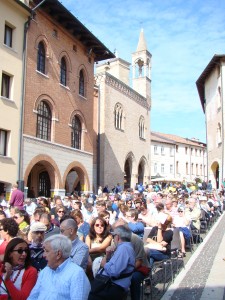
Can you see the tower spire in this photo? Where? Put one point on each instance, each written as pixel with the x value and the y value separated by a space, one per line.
pixel 142 45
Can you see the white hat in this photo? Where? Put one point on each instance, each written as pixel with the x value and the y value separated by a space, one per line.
pixel 38 226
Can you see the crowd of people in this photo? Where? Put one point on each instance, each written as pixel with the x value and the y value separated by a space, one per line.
pixel 59 248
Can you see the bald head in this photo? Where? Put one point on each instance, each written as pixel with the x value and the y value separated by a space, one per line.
pixel 69 228
pixel 69 223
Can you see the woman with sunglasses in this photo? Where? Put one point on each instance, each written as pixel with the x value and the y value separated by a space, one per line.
pixel 60 212
pixel 17 276
pixel 99 238
pixel 23 220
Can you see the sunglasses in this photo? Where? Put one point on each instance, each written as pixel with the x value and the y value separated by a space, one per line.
pixel 99 225
pixel 20 251
pixel 180 210
pixel 15 217
pixel 38 232
pixel 61 211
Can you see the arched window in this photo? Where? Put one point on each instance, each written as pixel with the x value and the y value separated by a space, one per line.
pixel 44 119
pixel 63 71
pixel 76 133
pixel 41 58
pixel 219 134
pixel 142 128
pixel 118 116
pixel 81 84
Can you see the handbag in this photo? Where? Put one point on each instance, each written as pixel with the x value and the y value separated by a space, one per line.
pixel 100 282
pixel 103 282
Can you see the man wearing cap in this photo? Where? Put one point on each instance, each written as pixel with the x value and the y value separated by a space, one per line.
pixel 37 231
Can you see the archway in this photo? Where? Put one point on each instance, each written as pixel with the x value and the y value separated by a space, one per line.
pixel 76 178
pixel 216 173
pixel 141 171
pixel 41 176
pixel 127 173
pixel 40 180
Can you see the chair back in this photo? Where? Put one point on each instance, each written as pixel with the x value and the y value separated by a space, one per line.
pixel 176 242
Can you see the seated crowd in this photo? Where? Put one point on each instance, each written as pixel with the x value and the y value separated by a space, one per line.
pixel 56 248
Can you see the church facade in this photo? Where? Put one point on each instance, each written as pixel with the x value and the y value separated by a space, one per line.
pixel 123 122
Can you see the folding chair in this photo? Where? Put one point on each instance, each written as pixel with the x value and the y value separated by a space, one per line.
pixel 176 249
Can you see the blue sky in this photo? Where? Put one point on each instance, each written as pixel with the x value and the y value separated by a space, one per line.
pixel 182 37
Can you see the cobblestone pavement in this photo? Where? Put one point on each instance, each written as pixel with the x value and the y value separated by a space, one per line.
pixel 193 282
pixel 192 285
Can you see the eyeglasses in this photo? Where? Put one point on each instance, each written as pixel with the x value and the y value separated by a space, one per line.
pixel 62 230
pixel 61 211
pixel 99 225
pixel 20 251
pixel 180 210
pixel 38 232
pixel 15 217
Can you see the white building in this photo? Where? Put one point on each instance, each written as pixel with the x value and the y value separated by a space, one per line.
pixel 174 157
pixel 13 17
pixel 210 85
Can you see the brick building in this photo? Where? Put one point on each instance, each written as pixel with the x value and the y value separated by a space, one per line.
pixel 59 138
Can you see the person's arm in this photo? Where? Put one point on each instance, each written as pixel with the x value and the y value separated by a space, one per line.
pixel 12 199
pixel 28 282
pixel 79 286
pixel 102 247
pixel 88 242
pixel 159 233
pixel 36 290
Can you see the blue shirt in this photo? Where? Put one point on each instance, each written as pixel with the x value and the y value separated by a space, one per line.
pixel 80 253
pixel 137 228
pixel 67 282
pixel 84 228
pixel 122 262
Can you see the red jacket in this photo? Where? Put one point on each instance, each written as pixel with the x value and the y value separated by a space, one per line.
pixel 28 282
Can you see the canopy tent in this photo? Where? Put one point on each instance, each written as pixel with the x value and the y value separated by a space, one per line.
pixel 166 179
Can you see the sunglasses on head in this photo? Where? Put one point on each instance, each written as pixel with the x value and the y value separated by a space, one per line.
pixel 20 251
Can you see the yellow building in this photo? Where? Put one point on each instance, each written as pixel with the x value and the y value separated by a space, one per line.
pixel 13 16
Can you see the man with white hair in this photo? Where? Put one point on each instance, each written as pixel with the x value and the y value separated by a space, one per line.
pixel 118 265
pixel 62 278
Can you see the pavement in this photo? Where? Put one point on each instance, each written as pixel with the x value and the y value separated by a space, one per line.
pixel 203 277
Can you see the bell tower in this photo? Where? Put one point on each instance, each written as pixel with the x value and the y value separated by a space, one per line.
pixel 141 66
